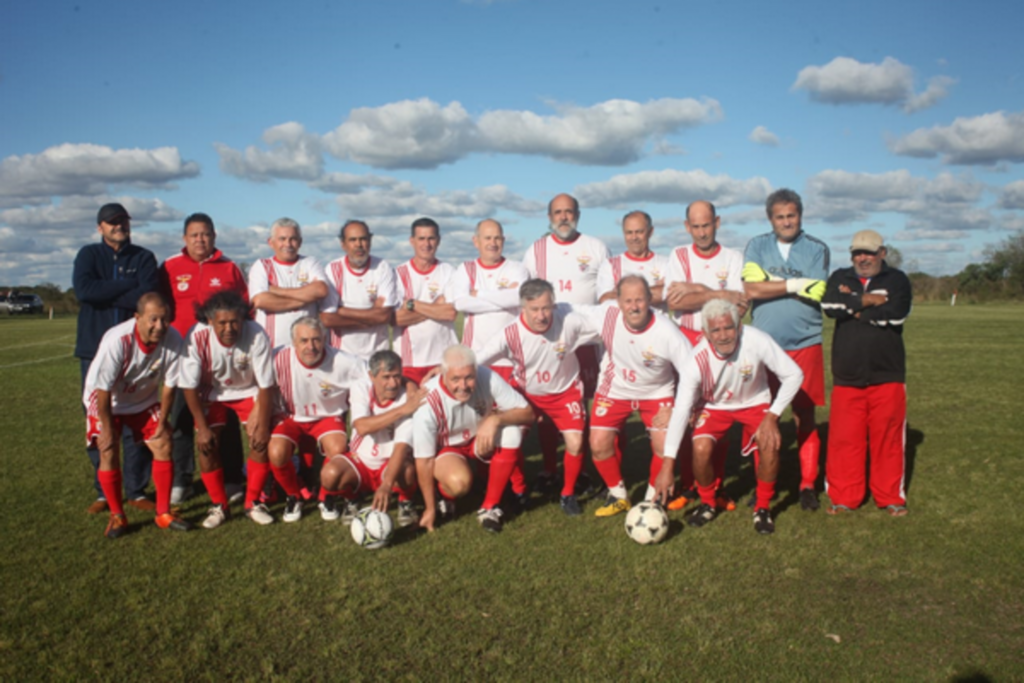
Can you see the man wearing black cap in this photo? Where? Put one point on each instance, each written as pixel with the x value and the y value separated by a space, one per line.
pixel 109 277
pixel 869 303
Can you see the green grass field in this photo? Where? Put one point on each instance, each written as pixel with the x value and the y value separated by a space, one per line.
pixel 938 595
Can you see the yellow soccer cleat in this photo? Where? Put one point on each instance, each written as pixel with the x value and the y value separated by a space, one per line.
pixel 613 507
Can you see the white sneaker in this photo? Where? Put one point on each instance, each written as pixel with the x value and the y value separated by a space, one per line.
pixel 178 494
pixel 407 515
pixel 351 510
pixel 492 519
pixel 329 509
pixel 236 492
pixel 260 514
pixel 292 509
pixel 215 516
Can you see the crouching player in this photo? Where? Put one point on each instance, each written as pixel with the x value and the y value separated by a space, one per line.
pixel 379 458
pixel 469 412
pixel 123 389
pixel 314 381
pixel 228 365
pixel 727 374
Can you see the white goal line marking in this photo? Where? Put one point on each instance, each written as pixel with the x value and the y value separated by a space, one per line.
pixel 59 341
pixel 33 362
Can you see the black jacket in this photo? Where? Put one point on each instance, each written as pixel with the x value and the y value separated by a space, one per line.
pixel 868 350
pixel 108 285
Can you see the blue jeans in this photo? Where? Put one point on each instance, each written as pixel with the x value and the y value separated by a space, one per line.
pixel 136 460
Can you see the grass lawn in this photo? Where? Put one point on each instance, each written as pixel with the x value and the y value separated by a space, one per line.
pixel 937 595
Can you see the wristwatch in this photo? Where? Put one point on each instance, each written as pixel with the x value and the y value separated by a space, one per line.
pixel 410 305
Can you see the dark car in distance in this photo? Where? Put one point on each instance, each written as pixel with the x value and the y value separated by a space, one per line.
pixel 21 303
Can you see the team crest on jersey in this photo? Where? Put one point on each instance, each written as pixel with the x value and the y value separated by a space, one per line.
pixel 154 368
pixel 303 277
pixel 325 389
pixel 433 287
pixel 649 357
pixel 701 419
pixel 583 260
pixel 601 407
pixel 503 283
pixel 723 277
pixel 560 350
pixel 242 361
pixel 215 282
pixel 746 371
pixel 656 274
pixel 183 282
pixel 371 291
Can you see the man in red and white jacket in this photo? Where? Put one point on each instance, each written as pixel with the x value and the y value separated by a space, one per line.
pixel 638 259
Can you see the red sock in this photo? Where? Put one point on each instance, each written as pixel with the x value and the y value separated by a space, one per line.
pixel 110 482
pixel 549 435
pixel 405 494
pixel 163 479
pixel 618 448
pixel 255 482
pixel 573 465
pixel 518 479
pixel 327 492
pixel 286 478
pixel 810 451
pixel 502 463
pixel 656 463
pixel 214 482
pixel 707 494
pixel 765 491
pixel 610 471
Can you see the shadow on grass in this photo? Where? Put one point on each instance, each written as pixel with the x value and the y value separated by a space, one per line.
pixel 972 677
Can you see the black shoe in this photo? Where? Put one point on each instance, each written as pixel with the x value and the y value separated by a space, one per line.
pixel 763 523
pixel 492 519
pixel 445 510
pixel 809 499
pixel 702 515
pixel 571 506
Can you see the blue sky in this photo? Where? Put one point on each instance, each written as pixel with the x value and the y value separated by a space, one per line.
pixel 906 117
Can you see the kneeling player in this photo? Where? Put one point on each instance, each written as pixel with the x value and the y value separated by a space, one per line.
pixel 122 389
pixel 379 458
pixel 314 381
pixel 228 366
pixel 728 373
pixel 470 412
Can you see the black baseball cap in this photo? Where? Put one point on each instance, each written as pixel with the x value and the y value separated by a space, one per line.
pixel 110 212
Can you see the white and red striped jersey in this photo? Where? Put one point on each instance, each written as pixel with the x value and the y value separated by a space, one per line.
pixel 653 269
pixel 443 421
pixel 719 271
pixel 311 394
pixel 637 364
pixel 544 363
pixel 375 449
pixel 227 373
pixel 423 344
pixel 360 288
pixel 269 272
pixel 708 381
pixel 571 267
pixel 131 371
pixel 496 302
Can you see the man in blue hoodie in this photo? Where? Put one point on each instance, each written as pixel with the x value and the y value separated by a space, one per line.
pixel 109 277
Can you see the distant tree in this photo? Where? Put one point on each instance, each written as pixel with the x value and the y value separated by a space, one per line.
pixel 1007 262
pixel 893 256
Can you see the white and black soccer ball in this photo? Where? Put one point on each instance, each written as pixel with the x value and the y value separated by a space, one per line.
pixel 647 523
pixel 371 528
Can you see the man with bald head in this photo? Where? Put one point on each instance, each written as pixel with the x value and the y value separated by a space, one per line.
pixel 638 259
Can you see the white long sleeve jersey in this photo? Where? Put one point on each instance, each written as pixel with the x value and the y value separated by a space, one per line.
pixel 423 344
pixel 227 373
pixel 131 372
pixel 653 269
pixel 720 271
pixel 309 394
pixel 443 421
pixel 570 267
pixel 349 287
pixel 375 449
pixel 637 364
pixel 496 303
pixel 740 381
pixel 544 363
pixel 269 272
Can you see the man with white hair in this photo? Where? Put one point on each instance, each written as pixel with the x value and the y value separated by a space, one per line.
pixel 470 413
pixel 314 381
pixel 726 377
pixel 288 286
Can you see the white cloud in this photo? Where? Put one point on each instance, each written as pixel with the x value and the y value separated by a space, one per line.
pixel 408 202
pixel 939 247
pixel 87 169
pixel 763 136
pixel 293 153
pixel 984 140
pixel 1012 195
pixel 846 81
pixel 672 187
pixel 351 183
pixel 926 234
pixel 78 214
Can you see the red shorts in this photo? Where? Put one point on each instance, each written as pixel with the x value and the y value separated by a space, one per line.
pixel 465 451
pixel 416 374
pixel 811 360
pixel 369 480
pixel 713 424
pixel 217 412
pixel 142 424
pixel 590 368
pixel 611 413
pixel 565 410
pixel 294 431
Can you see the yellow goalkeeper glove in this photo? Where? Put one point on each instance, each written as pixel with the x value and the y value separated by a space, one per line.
pixel 755 273
pixel 807 288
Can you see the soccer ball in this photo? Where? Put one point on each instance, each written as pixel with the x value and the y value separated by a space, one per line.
pixel 647 523
pixel 372 528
